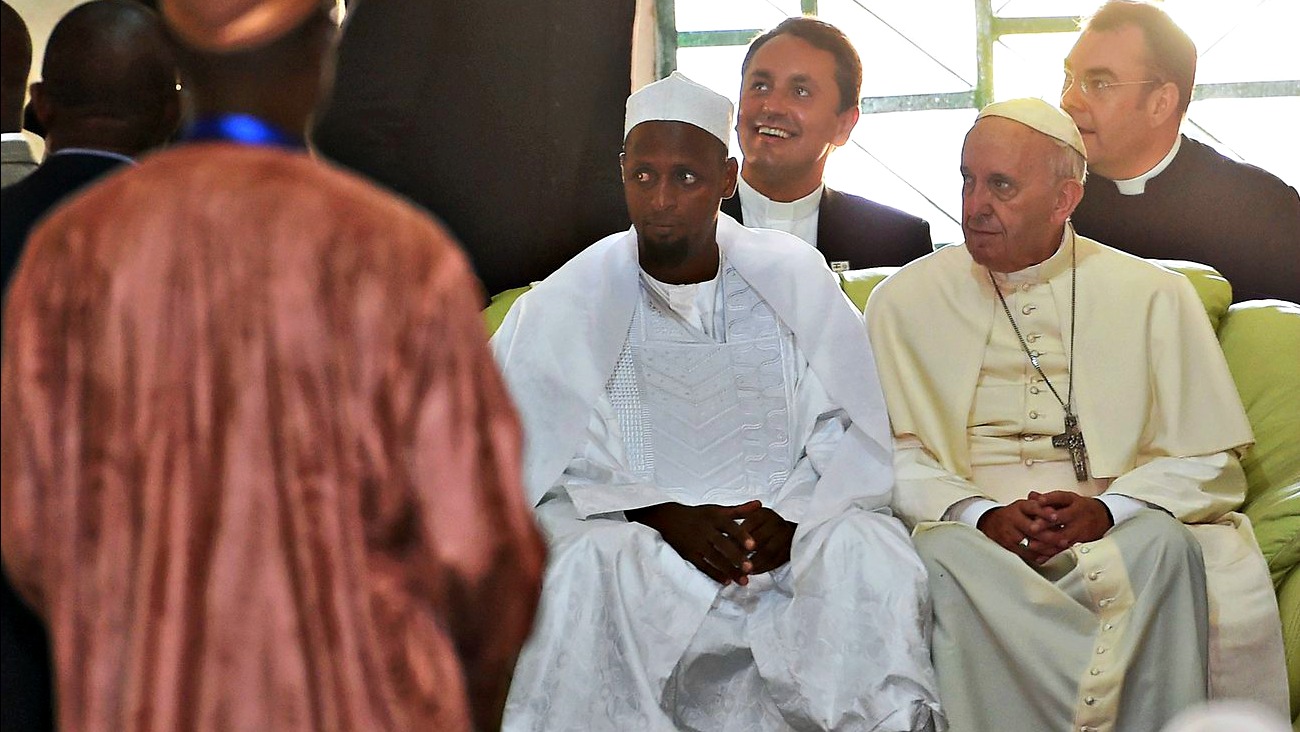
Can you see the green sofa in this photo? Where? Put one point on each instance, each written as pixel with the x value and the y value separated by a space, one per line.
pixel 1261 340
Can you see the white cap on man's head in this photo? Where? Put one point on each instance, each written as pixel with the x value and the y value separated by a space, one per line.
pixel 678 99
pixel 1038 115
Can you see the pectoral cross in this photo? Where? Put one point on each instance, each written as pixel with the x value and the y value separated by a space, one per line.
pixel 1072 440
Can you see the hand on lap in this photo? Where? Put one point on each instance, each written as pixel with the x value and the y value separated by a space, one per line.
pixel 708 536
pixel 1043 525
pixel 771 537
pixel 1070 518
pixel 1013 528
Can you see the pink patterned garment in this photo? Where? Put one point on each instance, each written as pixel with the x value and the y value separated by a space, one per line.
pixel 259 471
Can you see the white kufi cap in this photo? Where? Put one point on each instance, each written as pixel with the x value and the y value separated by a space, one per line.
pixel 678 99
pixel 1041 116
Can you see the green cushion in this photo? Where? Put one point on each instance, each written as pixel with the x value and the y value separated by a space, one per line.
pixel 1215 291
pixel 858 283
pixel 1261 340
pixel 500 305
pixel 1275 517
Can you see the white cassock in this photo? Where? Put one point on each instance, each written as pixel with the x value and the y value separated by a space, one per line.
pixel 1175 600
pixel 757 385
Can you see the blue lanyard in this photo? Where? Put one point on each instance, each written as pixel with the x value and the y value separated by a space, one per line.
pixel 244 129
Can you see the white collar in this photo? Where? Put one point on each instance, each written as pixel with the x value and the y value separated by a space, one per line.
pixel 1137 186
pixel 769 210
pixel 11 136
pixel 1044 270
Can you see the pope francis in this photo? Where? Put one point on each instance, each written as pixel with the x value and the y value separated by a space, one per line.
pixel 1067 436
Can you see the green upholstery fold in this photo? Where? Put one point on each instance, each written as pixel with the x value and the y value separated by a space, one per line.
pixel 495 313
pixel 1261 340
pixel 858 283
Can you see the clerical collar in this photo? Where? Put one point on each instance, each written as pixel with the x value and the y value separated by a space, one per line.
pixel 1137 186
pixel 244 129
pixel 1045 270
pixel 764 209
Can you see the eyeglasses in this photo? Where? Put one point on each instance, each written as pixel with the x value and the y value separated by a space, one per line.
pixel 1098 87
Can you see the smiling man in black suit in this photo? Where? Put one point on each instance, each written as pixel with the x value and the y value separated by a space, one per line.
pixel 798 102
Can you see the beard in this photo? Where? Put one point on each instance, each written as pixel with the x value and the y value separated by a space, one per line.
pixel 662 253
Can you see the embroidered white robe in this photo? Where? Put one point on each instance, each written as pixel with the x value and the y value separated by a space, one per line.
pixel 630 635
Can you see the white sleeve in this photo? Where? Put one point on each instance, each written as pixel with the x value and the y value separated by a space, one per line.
pixel 598 480
pixel 1122 508
pixel 1192 489
pixel 920 480
pixel 970 510
pixel 820 425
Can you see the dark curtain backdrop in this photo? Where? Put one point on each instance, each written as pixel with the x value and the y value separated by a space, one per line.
pixel 503 118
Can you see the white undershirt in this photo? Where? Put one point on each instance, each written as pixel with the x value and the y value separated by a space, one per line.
pixel 1137 186
pixel 797 217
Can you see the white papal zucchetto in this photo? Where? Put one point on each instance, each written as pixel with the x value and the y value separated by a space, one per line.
pixel 1041 116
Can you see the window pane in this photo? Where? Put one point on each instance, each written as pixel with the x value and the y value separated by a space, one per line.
pixel 1241 41
pixel 733 14
pixel 1043 8
pixel 909 47
pixel 1259 131
pixel 1030 65
pixel 907 160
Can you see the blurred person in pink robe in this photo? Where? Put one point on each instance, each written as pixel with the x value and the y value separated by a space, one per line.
pixel 259 472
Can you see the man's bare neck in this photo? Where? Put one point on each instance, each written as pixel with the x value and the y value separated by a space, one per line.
pixel 1144 162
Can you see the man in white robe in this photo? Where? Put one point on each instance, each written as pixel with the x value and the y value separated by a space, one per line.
pixel 708 450
pixel 1069 567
